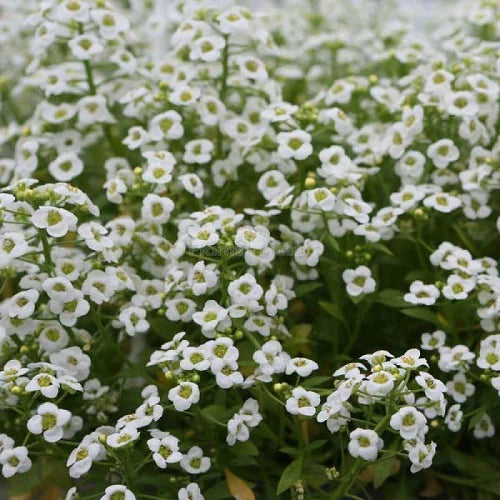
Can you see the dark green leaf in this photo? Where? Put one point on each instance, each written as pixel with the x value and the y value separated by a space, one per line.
pixel 391 297
pixel 333 310
pixel 290 475
pixel 305 288
pixel 421 313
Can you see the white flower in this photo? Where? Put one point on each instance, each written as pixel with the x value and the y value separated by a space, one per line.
pixel 49 420
pixel 73 361
pixel 184 395
pixel 190 492
pixel 166 125
pixel 202 277
pixel 296 144
pixel 134 320
pixel 14 461
pixel 410 360
pixel 253 68
pixel 421 456
pixel 309 252
pixel 421 294
pixel 484 428
pixel 459 388
pixel 47 384
pixel 203 236
pixel 245 291
pixel 11 370
pixel 358 281
pixel 302 402
pixel 110 22
pixel 443 202
pixel 198 151
pixel 365 443
pixel 12 245
pixel 237 430
pixel 192 184
pixel 207 48
pixel 81 458
pixel 255 238
pixel 443 152
pixel 165 450
pixel 301 366
pixel 271 358
pixel 211 315
pixel 22 304
pixel 69 311
pixel 433 387
pixel 57 221
pixel 379 383
pixel 85 46
pixel 278 112
pixel 409 422
pixel 432 341
pixel 160 166
pixel 462 103
pixel 454 418
pixel 66 166
pixel 194 462
pixel 156 208
pixel 117 491
pixel 128 434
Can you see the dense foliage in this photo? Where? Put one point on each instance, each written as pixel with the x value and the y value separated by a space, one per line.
pixel 248 253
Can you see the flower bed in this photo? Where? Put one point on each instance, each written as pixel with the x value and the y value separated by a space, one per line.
pixel 249 253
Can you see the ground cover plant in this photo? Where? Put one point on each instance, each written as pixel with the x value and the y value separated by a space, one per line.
pixel 249 251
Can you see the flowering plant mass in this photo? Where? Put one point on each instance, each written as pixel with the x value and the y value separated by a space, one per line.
pixel 249 251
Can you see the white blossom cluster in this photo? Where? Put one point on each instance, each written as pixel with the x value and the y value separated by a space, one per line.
pixel 180 181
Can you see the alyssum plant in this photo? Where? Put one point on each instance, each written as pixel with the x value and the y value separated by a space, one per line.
pixel 249 254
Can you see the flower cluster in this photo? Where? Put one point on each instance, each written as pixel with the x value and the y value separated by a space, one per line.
pixel 210 214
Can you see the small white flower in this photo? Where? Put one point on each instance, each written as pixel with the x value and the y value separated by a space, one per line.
pixel 409 422
pixel 459 388
pixel 433 388
pixel 81 458
pixel 117 491
pixel 156 208
pixel 57 221
pixel 358 281
pixel 123 437
pixel 443 152
pixel 302 402
pixel 85 46
pixel 49 420
pixel 134 320
pixel 421 456
pixel 421 294
pixel 184 395
pixel 165 450
pixel 309 252
pixel 301 366
pixel 15 461
pixel 194 462
pixel 190 492
pixel 296 144
pixel 365 443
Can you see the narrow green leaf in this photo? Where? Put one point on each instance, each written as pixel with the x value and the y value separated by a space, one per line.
pixel 421 313
pixel 333 310
pixel 290 475
pixel 391 297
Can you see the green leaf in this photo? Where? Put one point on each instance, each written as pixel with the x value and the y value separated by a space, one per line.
pixel 476 417
pixel 333 310
pixel 421 313
pixel 305 288
pixel 383 471
pixel 290 475
pixel 245 448
pixel 391 297
pixel 333 241
pixel 316 381
pixel 382 248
